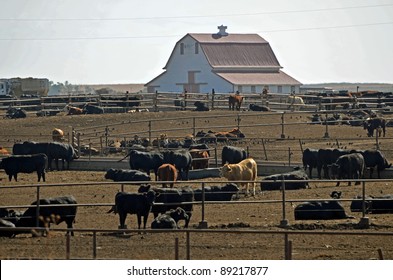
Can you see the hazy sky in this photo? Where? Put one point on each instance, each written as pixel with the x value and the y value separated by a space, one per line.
pixel 127 41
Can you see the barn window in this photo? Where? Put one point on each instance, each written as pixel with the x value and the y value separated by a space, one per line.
pixel 196 48
pixel 253 89
pixel 240 88
pixel 279 89
pixel 181 48
pixel 292 88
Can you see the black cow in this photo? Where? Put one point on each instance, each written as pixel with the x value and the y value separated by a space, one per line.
pixel 145 161
pixel 326 157
pixel 217 193
pixel 24 164
pixel 133 203
pixel 232 154
pixel 374 158
pixel 200 106
pixel 179 104
pixel 53 150
pixel 181 159
pixel 50 214
pixel 120 175
pixel 92 109
pixel 310 160
pixel 15 113
pixel 373 204
pixel 62 151
pixel 372 124
pixel 170 219
pixel 173 196
pixel 320 210
pixel 350 166
pixel 258 108
pixel 274 182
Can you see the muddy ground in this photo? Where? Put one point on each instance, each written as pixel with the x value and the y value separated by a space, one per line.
pixel 267 142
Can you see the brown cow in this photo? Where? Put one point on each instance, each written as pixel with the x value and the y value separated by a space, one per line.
pixel 200 159
pixel 225 135
pixel 167 172
pixel 235 101
pixel 71 110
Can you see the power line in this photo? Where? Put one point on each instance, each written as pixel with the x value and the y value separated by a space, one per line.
pixel 195 16
pixel 326 27
pixel 167 36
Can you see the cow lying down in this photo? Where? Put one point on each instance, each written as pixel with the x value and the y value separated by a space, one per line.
pixel 169 219
pixel 217 193
pixel 374 204
pixel 126 175
pixel 274 182
pixel 320 210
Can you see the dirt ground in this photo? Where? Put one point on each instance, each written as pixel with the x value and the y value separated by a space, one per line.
pixel 308 240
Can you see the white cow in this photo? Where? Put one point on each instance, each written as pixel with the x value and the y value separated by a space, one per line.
pixel 295 102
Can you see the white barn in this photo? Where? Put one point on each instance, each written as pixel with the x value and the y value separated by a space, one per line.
pixel 225 63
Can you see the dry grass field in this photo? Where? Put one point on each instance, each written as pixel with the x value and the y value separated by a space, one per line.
pixel 218 243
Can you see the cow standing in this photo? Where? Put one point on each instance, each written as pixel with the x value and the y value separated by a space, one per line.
pixel 349 166
pixel 133 203
pixel 145 161
pixel 13 165
pixel 376 123
pixel 235 101
pixel 310 160
pixel 181 159
pixel 167 199
pixel 63 210
pixel 167 172
pixel 374 158
pixel 246 170
pixel 232 154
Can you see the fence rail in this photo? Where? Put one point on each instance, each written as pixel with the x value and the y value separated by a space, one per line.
pixel 286 232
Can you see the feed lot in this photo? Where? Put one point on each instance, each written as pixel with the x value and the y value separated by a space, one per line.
pixel 237 216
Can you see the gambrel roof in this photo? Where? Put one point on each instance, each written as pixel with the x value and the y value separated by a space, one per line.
pixel 237 50
pixel 234 51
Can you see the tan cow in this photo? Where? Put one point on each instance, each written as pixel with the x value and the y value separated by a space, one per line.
pixel 167 172
pixel 246 170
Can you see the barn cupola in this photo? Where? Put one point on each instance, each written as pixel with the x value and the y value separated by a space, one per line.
pixel 222 30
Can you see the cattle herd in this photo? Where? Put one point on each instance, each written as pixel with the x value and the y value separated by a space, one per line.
pixel 170 205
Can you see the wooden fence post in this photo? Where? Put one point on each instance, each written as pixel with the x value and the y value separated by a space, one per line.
pixel 213 95
pixel 149 127
pixel 176 248
pixel 68 245
pixel 155 102
pixel 94 245
pixel 264 148
pixel 282 125
pixel 203 223
pixel 37 209
pixel 284 221
pixel 326 126
pixel 188 251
